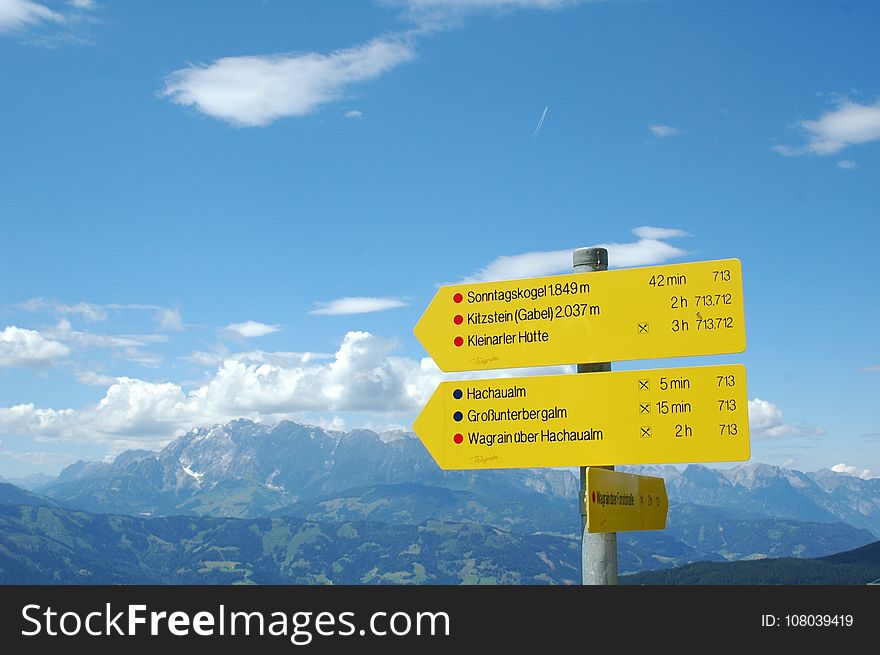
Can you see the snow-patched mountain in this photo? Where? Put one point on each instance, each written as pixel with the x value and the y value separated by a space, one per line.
pixel 246 469
pixel 763 490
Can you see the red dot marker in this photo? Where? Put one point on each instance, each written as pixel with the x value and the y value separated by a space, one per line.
pixel 458 341
pixel 457 297
pixel 458 438
pixel 458 320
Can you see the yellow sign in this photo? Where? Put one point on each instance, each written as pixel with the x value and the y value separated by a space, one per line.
pixel 620 502
pixel 624 314
pixel 659 416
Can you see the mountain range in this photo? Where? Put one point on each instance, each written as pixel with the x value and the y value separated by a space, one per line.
pixel 854 567
pixel 247 470
pixel 227 484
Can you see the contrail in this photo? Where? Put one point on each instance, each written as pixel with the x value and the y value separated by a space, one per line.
pixel 541 120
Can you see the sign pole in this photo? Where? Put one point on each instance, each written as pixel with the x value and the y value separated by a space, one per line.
pixel 598 549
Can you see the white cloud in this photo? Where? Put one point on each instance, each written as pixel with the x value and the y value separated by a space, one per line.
pixel 152 412
pixel 362 376
pixel 766 418
pixel 64 332
pixel 356 305
pixel 38 461
pixel 766 421
pixel 90 312
pixel 662 131
pixel 19 14
pixel 138 356
pixel 541 121
pixel 202 358
pixel 875 368
pixel 83 4
pixel 449 8
pixel 354 113
pixel 850 124
pixel 94 379
pixel 864 474
pixel 285 359
pixel 847 164
pixel 490 4
pixel 528 264
pixel 644 252
pixel 648 232
pixel 169 319
pixel 250 329
pixel 431 15
pixel 20 347
pixel 257 90
pixel 213 359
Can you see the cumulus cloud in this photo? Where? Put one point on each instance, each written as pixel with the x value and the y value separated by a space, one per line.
pixel 353 113
pixel 661 131
pixel 766 421
pixel 849 124
pixel 20 14
pixel 864 474
pixel 130 407
pixel 766 418
pixel 847 164
pixel 648 250
pixel 20 347
pixel 362 376
pixel 257 90
pixel 250 329
pixel 356 305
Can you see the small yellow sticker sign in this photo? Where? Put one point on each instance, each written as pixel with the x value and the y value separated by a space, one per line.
pixel 634 313
pixel 658 416
pixel 621 502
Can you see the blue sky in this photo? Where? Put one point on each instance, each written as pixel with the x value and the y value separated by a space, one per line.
pixel 237 208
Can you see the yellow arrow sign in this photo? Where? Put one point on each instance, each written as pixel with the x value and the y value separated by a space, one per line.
pixel 620 502
pixel 633 313
pixel 696 414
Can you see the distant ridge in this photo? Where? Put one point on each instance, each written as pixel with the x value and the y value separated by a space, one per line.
pixel 855 567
